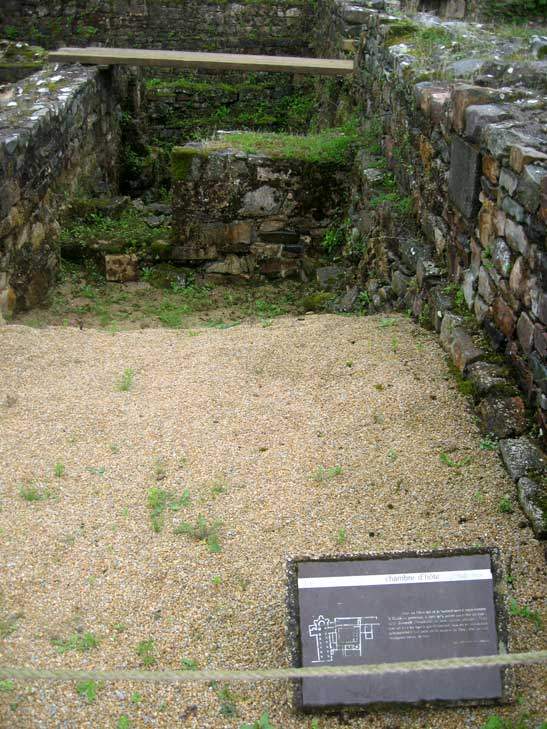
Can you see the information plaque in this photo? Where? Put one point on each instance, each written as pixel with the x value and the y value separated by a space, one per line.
pixel 407 608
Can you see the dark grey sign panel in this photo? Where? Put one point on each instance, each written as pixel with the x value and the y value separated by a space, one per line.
pixel 386 610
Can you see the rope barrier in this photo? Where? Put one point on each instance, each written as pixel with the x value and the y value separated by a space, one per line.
pixel 271 674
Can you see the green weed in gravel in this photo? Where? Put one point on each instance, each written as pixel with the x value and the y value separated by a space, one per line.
pixel 76 642
pixel 202 532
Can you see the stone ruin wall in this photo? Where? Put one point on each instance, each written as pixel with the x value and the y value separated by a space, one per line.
pixel 244 215
pixel 278 28
pixel 59 135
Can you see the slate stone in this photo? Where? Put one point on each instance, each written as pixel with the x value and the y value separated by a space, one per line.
pixel 521 456
pixel 450 324
pixel 502 257
pixel 539 371
pixel 413 251
pixel 512 208
pixel 464 177
pixel 516 237
pixel 464 351
pixel 329 275
pixel 468 287
pixel 349 300
pixel 439 303
pixel 478 116
pixel 502 416
pixel 508 180
pixel 539 306
pixel 486 286
pixel 485 377
pixel 533 500
pixel 399 283
pixel 525 333
pixel 529 186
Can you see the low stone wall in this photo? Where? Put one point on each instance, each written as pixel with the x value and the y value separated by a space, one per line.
pixel 59 136
pixel 250 26
pixel 247 215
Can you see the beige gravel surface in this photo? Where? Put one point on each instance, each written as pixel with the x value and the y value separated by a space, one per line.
pixel 241 419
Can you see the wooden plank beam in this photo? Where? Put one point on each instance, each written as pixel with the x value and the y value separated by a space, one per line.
pixel 211 61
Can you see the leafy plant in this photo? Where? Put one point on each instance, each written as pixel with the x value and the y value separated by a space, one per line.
pixel 6 686
pixel 59 469
pixel 321 474
pixel 31 493
pixel 505 505
pixel 525 612
pixel 444 458
pixel 262 723
pixel 385 323
pixel 341 536
pixel 76 642
pixel 126 382
pixel 88 689
pixel 159 500
pixel 189 664
pixel 202 532
pixel 146 651
pixel 488 444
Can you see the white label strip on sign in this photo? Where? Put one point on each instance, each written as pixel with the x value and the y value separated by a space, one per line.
pixel 403 578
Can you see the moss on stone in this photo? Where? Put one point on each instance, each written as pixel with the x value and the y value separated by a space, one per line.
pixel 181 161
pixel 316 301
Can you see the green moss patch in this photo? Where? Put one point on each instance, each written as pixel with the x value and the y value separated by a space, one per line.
pixel 181 161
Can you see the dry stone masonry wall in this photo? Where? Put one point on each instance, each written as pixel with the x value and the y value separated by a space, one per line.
pixel 245 215
pixel 59 135
pixel 250 26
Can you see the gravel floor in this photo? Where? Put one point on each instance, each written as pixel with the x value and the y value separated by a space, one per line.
pixel 240 419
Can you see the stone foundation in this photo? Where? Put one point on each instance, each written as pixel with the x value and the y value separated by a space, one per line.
pixel 249 215
pixel 59 137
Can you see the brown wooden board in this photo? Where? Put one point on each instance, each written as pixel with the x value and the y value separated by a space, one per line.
pixel 211 61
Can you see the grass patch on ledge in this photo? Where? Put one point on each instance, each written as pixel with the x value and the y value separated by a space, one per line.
pixel 331 146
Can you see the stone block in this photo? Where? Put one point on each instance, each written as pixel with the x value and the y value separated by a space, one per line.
pixel 539 371
pixel 540 340
pixel 522 457
pixel 504 317
pixel 528 191
pixel 516 237
pixel 486 377
pixel 525 333
pixel 121 268
pixel 464 96
pixel 464 350
pixel 502 257
pixel 464 177
pixel 508 180
pixel 520 156
pixel 533 500
pixel 513 208
pixel 486 286
pixel 490 168
pixel 260 203
pixel 328 276
pixel 543 200
pixel 439 303
pixel 469 286
pixel 539 306
pixel 450 324
pixel 233 265
pixel 399 283
pixel 427 271
pixel 503 417
pixel 350 300
pixel 413 251
pixel 481 309
pixel 478 116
